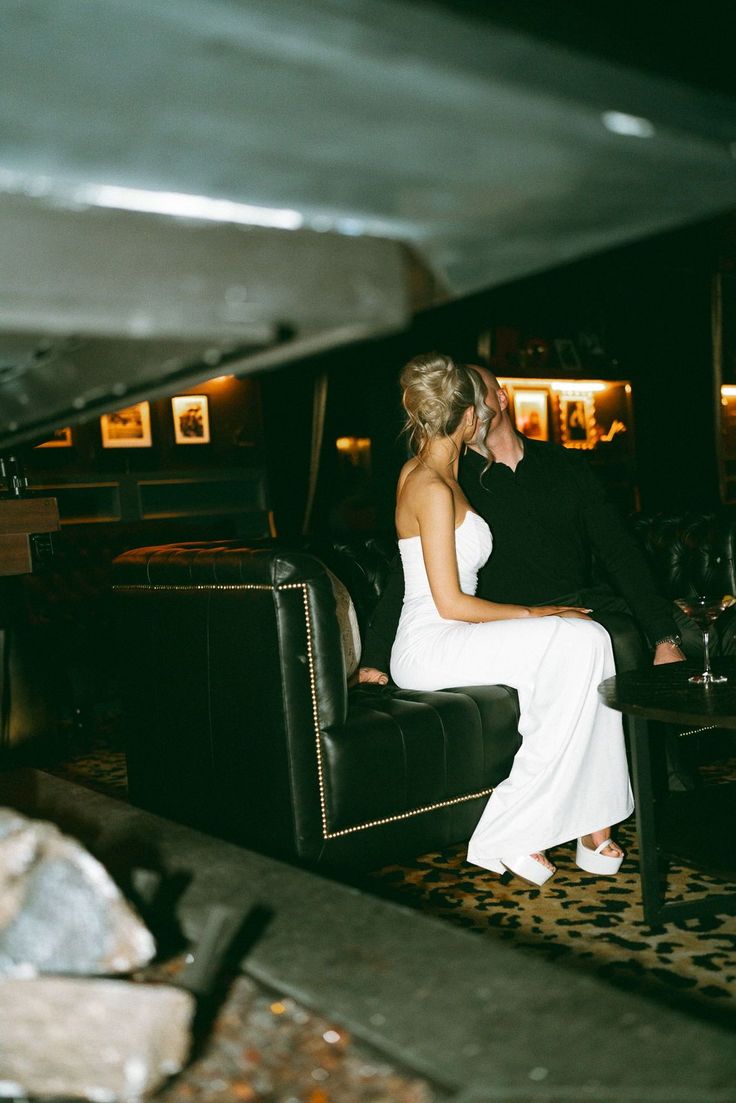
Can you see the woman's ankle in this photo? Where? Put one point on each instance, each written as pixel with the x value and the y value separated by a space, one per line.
pixel 595 838
pixel 541 857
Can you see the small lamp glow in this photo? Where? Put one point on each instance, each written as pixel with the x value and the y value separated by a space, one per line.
pixel 355 449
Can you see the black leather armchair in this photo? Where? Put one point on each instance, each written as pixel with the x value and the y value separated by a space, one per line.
pixel 240 721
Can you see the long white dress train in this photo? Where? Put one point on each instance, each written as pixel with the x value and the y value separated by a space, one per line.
pixel 570 776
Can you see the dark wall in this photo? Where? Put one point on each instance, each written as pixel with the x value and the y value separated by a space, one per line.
pixel 649 305
pixel 236 438
pixel 166 479
pixel 363 401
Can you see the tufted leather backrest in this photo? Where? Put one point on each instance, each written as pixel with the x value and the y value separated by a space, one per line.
pixel 362 564
pixel 689 554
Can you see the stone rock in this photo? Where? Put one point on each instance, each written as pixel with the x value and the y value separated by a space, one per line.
pixel 60 911
pixel 90 1039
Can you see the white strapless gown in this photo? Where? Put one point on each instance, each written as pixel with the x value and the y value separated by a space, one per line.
pixel 570 776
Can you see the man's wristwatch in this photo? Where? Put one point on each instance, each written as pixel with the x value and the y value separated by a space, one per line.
pixel 675 641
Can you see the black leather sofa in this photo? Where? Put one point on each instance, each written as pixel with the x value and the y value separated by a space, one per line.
pixel 240 720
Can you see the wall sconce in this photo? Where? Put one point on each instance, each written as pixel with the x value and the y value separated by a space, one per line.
pixel 356 450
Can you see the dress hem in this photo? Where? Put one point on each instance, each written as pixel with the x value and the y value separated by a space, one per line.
pixel 495 865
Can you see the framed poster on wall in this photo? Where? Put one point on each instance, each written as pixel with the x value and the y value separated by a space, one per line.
pixel 530 414
pixel 191 419
pixel 127 428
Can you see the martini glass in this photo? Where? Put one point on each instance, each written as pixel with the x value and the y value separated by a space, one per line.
pixel 704 610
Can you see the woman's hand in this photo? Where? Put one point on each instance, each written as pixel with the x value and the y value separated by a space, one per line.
pixel 560 611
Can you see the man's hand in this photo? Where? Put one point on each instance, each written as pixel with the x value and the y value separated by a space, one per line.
pixel 667 653
pixel 368 675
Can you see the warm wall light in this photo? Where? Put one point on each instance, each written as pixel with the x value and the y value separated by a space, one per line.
pixel 579 386
pixel 356 449
pixel 728 391
pixel 221 379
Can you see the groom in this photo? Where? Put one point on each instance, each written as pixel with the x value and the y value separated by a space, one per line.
pixel 549 516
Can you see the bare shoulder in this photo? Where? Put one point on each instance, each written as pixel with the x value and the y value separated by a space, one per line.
pixel 418 482
pixel 409 468
pixel 422 498
pixel 432 497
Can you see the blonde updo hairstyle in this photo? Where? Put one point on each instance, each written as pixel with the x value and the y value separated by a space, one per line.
pixel 437 391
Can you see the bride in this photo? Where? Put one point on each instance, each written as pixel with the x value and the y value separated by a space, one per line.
pixel 569 778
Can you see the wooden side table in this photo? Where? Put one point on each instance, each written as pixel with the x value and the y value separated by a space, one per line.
pixel 664 693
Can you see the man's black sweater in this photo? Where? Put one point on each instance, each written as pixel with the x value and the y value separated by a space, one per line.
pixel 549 519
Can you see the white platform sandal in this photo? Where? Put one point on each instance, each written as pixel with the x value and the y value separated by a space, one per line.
pixel 529 869
pixel 593 861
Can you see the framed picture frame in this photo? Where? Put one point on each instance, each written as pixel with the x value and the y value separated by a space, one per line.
pixel 577 421
pixel 191 419
pixel 129 427
pixel 567 354
pixel 531 413
pixel 60 438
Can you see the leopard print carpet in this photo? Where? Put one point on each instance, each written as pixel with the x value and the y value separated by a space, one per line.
pixel 98 768
pixel 584 921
